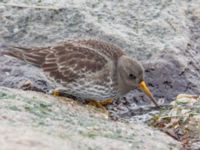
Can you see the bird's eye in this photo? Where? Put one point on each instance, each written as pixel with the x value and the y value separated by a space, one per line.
pixel 131 76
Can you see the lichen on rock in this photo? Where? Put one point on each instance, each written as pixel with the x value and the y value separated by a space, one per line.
pixel 32 119
pixel 182 121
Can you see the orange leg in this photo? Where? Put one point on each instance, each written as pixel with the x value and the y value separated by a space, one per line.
pixel 100 104
pixel 55 92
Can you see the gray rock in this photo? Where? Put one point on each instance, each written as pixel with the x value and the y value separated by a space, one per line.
pixel 32 120
pixel 141 28
pixel 181 120
pixel 163 34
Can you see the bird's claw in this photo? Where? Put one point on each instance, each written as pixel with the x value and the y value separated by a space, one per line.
pixel 55 92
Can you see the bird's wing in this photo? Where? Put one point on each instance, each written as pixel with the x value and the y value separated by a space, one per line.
pixel 109 50
pixel 69 62
pixel 64 63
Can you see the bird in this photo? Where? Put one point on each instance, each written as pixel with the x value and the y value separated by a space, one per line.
pixel 89 69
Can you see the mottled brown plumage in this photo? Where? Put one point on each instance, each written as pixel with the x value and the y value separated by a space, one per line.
pixel 88 69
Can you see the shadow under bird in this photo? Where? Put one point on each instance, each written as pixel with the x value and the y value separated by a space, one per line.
pixel 87 69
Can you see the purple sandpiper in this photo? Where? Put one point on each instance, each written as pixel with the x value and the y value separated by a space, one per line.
pixel 87 69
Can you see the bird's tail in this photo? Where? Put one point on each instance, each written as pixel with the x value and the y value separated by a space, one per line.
pixel 10 51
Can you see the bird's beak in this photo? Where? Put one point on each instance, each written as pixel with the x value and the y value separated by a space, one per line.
pixel 146 90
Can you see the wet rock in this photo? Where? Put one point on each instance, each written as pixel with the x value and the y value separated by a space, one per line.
pixel 35 120
pixel 160 34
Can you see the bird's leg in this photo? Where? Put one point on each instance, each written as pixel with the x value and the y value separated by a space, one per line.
pixel 106 101
pixel 97 104
pixel 61 93
pixel 100 104
pixel 55 92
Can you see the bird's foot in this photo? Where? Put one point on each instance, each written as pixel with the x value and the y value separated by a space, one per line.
pixel 61 93
pixel 55 92
pixel 106 101
pixel 100 104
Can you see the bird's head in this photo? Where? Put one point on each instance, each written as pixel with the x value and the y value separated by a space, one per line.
pixel 131 76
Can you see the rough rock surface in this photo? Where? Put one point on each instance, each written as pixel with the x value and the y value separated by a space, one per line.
pixel 163 34
pixel 181 121
pixel 32 120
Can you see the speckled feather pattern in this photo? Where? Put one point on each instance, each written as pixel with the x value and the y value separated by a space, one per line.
pixel 84 68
